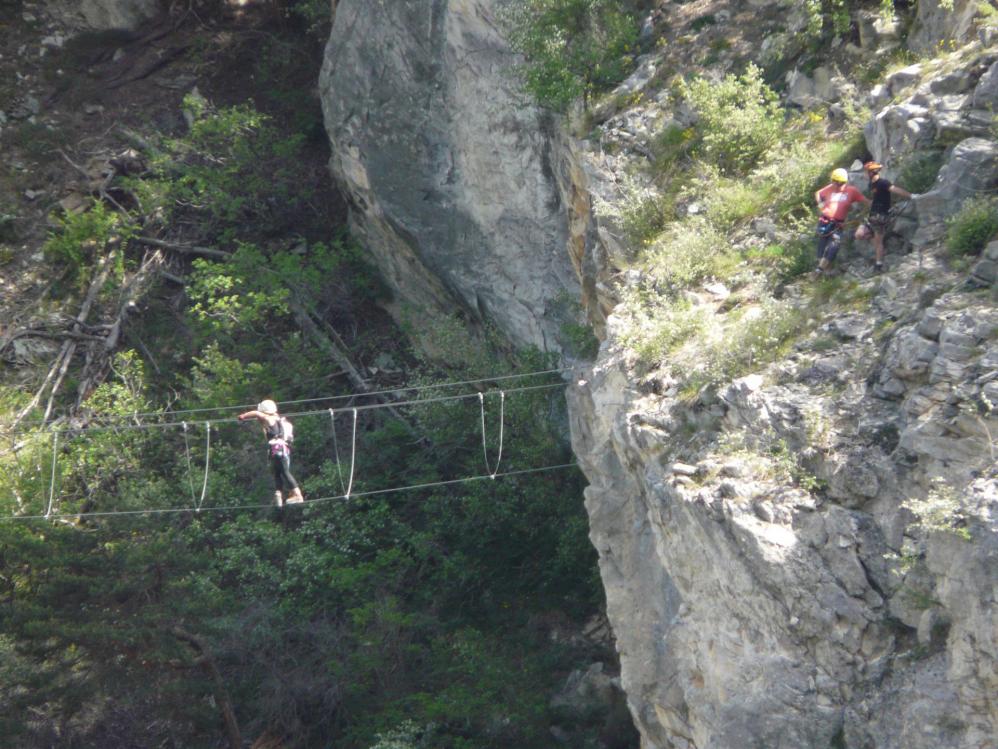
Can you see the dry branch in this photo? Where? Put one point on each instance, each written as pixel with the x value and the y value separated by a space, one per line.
pixel 204 660
pixel 184 249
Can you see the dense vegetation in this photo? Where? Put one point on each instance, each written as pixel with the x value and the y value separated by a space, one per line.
pixel 392 619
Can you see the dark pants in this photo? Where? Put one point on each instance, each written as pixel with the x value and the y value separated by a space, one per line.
pixel 828 245
pixel 283 480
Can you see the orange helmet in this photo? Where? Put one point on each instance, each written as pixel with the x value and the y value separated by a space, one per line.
pixel 872 166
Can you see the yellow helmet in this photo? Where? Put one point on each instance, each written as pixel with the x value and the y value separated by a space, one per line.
pixel 840 175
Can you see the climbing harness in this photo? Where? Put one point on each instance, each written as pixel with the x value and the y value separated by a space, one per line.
pixel 502 413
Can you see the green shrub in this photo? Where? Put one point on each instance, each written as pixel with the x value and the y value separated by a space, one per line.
pixel 81 237
pixel 670 146
pixel 689 252
pixel 740 119
pixel 643 216
pixel 919 171
pixel 702 22
pixel 8 229
pixel 786 260
pixel 753 339
pixel 973 226
pixel 573 48
pixel 656 324
pixel 232 169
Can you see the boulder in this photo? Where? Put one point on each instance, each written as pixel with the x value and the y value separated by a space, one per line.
pixel 986 93
pixel 942 22
pixel 972 170
pixel 985 272
pixel 467 196
pixel 103 15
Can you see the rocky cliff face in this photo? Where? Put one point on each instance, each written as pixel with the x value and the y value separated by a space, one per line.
pixel 765 575
pixel 461 190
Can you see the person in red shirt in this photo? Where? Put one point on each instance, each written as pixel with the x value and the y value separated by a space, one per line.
pixel 834 201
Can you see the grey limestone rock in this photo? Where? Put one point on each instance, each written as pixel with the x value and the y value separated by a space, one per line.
pixel 938 21
pixel 103 15
pixel 972 170
pixel 464 193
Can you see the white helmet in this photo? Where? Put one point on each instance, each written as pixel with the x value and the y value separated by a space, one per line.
pixel 267 407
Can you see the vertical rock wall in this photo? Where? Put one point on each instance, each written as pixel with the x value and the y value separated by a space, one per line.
pixel 458 186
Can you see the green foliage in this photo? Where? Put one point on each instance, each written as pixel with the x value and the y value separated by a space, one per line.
pixel 702 22
pixel 750 340
pixel 80 238
pixel 8 231
pixel 919 171
pixel 787 260
pixel 234 168
pixel 740 119
pixel 36 141
pixel 316 14
pixel 658 324
pixel 573 48
pixel 689 252
pixel 973 226
pixel 941 511
pixel 671 145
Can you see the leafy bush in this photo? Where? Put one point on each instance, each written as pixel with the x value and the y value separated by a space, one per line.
pixel 81 237
pixel 656 324
pixel 689 252
pixel 8 227
pixel 233 168
pixel 973 226
pixel 671 145
pixel 740 119
pixel 788 260
pixel 573 48
pixel 919 172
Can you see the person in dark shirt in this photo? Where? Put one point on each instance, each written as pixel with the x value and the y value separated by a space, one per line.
pixel 879 220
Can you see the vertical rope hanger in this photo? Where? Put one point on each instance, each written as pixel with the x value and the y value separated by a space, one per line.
pixel 502 414
pixel 353 455
pixel 336 450
pixel 207 460
pixel 55 457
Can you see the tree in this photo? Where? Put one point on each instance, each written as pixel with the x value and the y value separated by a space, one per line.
pixel 573 48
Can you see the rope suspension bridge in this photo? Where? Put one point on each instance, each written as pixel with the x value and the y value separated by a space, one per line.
pixel 197 501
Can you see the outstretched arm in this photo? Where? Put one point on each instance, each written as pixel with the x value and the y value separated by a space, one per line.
pixel 899 191
pixel 261 417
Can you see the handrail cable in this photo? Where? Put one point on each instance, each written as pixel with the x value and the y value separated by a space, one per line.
pixel 432 386
pixel 366 407
pixel 318 500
